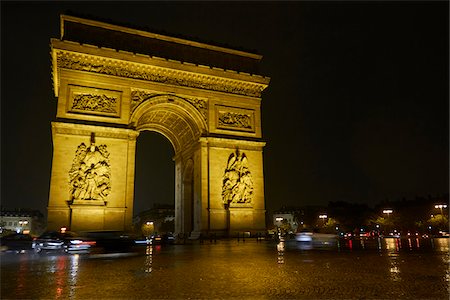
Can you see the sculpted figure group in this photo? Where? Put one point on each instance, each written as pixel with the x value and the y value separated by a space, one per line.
pixel 237 181
pixel 90 175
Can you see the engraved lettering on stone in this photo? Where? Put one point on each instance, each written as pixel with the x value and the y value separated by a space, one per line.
pixel 237 120
pixel 237 184
pixel 96 103
pixel 163 76
pixel 90 175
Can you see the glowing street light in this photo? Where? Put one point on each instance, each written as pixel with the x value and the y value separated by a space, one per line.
pixel 388 211
pixel 440 206
pixel 147 228
pixel 323 217
pixel 22 224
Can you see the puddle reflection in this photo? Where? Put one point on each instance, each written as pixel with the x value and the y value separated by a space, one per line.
pixel 73 274
pixel 280 250
pixel 393 247
pixel 148 259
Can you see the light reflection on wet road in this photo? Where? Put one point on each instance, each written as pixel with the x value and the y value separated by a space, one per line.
pixel 376 269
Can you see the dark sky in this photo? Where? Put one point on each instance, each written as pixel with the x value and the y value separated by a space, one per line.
pixel 356 110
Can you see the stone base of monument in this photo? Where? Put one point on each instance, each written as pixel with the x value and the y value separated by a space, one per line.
pixel 92 215
pixel 89 202
pixel 87 216
pixel 245 219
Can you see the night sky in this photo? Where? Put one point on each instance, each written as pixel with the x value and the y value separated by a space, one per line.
pixel 357 107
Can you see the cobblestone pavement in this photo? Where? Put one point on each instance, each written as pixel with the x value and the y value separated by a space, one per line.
pixel 233 270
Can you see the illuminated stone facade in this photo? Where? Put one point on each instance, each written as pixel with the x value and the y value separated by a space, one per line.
pixel 202 98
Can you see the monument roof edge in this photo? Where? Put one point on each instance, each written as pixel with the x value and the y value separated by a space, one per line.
pixel 107 53
pixel 155 36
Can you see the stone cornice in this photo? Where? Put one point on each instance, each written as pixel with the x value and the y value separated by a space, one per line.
pixel 232 143
pixel 100 131
pixel 128 65
pixel 154 35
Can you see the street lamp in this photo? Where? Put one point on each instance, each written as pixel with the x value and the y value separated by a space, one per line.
pixel 147 228
pixel 323 217
pixel 22 224
pixel 388 211
pixel 440 206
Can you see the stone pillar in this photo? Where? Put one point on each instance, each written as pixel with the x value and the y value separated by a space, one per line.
pixel 246 216
pixel 179 216
pixel 76 214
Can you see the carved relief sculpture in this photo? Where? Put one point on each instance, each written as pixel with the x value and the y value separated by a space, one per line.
pixel 200 105
pixel 149 73
pixel 237 181
pixel 230 119
pixel 90 175
pixel 95 103
pixel 137 97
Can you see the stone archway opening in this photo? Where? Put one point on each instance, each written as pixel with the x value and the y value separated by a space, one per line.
pixel 182 123
pixel 154 175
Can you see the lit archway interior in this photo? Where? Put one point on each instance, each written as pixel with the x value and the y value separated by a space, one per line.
pixel 181 123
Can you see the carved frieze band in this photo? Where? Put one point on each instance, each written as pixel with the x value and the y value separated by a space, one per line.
pixel 157 74
pixel 235 118
pixel 139 96
pixel 89 100
pixel 96 103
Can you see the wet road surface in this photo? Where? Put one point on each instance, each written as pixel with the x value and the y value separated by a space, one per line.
pixel 236 270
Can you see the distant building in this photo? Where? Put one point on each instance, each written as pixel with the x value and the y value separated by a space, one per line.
pixel 281 218
pixel 162 216
pixel 21 221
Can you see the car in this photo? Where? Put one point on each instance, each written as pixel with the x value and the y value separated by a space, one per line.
pixel 50 240
pixel 110 241
pixel 67 241
pixel 304 236
pixel 16 242
pixel 444 234
pixel 156 239
pixel 79 244
pixel 168 238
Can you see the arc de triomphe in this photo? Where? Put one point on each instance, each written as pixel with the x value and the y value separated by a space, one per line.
pixel 113 82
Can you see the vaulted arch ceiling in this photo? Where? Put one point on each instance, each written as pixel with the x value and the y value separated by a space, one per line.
pixel 173 117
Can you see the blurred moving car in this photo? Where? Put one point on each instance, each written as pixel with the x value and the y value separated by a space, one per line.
pixel 108 241
pixel 17 242
pixel 158 239
pixel 62 241
pixel 304 236
pixel 51 240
